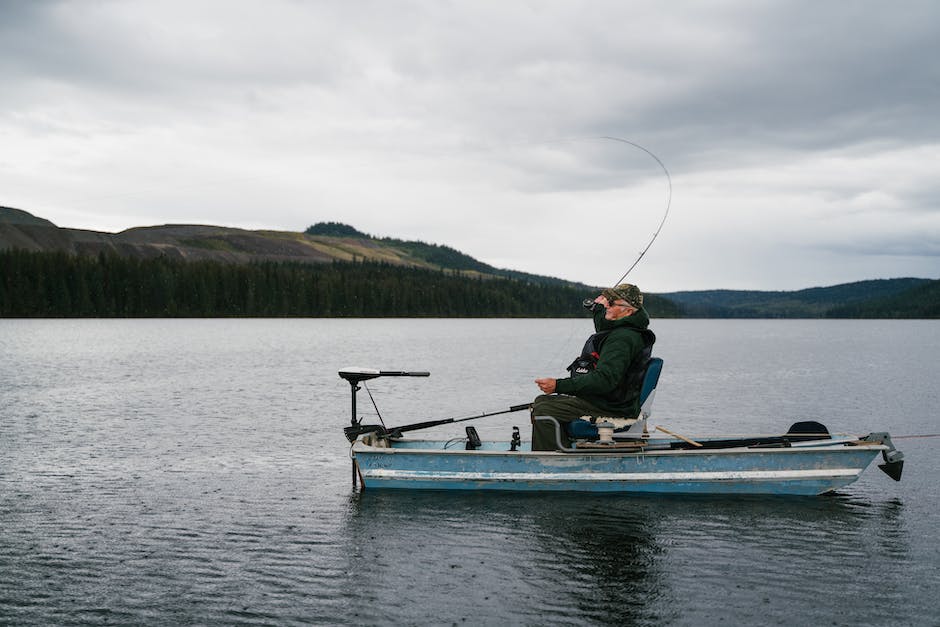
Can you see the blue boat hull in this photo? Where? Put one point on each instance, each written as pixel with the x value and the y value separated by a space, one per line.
pixel 797 470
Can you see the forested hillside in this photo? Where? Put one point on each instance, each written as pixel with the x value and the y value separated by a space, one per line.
pixel 921 301
pixel 836 301
pixel 435 255
pixel 333 269
pixel 62 285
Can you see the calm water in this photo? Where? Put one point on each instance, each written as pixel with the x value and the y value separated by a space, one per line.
pixel 195 472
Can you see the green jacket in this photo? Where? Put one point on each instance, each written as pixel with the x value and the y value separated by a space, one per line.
pixel 619 350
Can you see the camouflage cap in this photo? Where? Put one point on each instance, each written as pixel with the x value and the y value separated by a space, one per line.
pixel 627 292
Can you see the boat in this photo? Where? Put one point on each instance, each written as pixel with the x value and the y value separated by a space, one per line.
pixel 598 457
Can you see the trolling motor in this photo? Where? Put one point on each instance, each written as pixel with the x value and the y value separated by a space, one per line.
pixel 355 376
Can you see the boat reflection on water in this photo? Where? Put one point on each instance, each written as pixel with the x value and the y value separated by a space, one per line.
pixel 574 558
pixel 513 558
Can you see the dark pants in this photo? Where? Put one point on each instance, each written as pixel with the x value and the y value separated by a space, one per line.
pixel 562 408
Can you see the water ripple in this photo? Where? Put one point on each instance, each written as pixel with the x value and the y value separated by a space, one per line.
pixel 157 472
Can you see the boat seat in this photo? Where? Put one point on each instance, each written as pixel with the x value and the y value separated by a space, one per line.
pixel 585 430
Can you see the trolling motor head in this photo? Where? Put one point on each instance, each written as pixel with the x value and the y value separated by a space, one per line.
pixel 354 376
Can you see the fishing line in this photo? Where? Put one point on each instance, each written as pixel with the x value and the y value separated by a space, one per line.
pixel 919 435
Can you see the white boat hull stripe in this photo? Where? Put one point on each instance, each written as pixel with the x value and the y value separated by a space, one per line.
pixel 732 475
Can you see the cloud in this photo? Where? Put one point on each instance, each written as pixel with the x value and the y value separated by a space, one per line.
pixel 793 126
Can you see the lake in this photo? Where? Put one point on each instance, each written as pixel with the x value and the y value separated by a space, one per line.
pixel 195 472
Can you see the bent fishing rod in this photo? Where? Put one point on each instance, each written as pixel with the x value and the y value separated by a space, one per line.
pixel 357 375
pixel 590 304
pixel 668 202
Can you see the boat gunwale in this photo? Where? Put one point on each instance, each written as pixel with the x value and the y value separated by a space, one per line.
pixel 839 446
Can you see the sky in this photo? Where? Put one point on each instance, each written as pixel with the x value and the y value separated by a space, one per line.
pixel 742 145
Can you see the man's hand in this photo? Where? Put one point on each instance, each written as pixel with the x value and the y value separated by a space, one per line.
pixel 546 385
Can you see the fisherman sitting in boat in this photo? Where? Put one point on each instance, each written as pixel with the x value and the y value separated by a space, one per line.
pixel 605 380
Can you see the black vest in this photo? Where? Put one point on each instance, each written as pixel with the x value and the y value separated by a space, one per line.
pixel 629 386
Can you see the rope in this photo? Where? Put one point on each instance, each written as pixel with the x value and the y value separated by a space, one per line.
pixel 911 437
pixel 820 435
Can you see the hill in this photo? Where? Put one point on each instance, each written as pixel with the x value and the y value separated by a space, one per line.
pixel 9 215
pixel 921 301
pixel 46 270
pixel 846 300
pixel 328 243
pixel 322 243
pixel 191 242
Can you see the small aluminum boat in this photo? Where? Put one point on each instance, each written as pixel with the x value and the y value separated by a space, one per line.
pixel 806 460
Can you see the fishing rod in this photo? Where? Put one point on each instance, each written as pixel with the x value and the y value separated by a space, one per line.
pixel 668 189
pixel 353 432
pixel 589 304
pixel 355 376
pixel 668 202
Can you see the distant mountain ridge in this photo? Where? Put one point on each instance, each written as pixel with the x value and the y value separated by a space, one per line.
pixel 328 242
pixel 840 301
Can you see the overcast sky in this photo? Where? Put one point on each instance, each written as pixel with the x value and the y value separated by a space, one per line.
pixel 802 138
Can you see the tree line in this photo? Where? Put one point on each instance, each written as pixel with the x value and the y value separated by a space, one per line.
pixel 58 284
pixel 922 301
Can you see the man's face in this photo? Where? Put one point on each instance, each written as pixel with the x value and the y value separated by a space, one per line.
pixel 619 309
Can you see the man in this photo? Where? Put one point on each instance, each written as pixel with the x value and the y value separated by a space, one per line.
pixel 605 380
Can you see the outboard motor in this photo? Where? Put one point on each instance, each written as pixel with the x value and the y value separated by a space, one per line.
pixel 894 459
